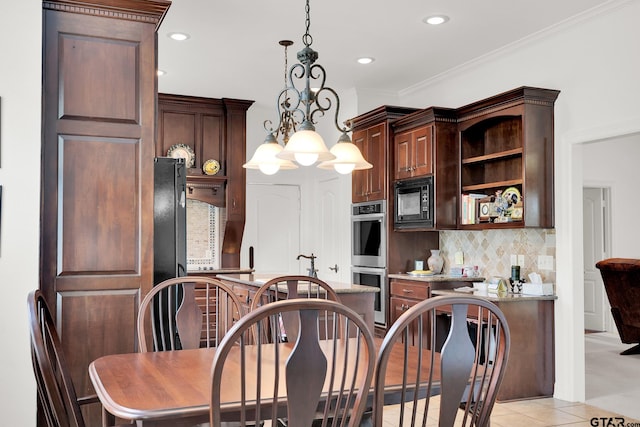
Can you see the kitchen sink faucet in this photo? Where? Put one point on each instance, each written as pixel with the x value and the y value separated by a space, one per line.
pixel 312 271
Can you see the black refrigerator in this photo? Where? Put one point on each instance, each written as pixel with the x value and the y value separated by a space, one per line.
pixel 169 219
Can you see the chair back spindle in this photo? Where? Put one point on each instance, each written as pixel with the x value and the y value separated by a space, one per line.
pixel 186 313
pixel 470 362
pixel 290 287
pixel 313 379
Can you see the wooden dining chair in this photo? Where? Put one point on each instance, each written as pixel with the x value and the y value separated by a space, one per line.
pixel 289 287
pixel 185 313
pixel 466 373
pixel 56 393
pixel 295 380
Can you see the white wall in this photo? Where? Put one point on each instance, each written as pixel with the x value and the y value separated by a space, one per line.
pixel 20 90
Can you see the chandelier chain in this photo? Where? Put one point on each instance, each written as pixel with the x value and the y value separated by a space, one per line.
pixel 307 39
pixel 286 64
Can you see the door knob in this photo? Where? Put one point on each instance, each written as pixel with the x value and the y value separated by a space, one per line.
pixel 335 268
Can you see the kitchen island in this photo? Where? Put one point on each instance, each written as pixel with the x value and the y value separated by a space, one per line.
pixel 357 297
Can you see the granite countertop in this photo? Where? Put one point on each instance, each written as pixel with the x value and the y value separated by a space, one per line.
pixel 496 296
pixel 436 278
pixel 257 280
pixel 222 271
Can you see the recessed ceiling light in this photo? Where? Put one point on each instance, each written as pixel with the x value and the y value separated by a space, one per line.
pixel 161 72
pixel 179 36
pixel 365 60
pixel 435 19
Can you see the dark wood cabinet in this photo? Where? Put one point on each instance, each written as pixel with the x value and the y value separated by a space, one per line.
pixel 414 152
pixel 215 129
pixel 371 134
pixel 196 122
pixel 404 294
pixel 425 143
pixel 530 372
pixel 99 92
pixel 506 142
pixel 370 184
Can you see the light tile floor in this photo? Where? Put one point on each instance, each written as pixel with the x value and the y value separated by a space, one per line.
pixel 553 412
pixel 535 413
pixel 612 381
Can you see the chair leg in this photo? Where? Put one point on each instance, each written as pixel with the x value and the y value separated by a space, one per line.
pixel 107 418
pixel 633 350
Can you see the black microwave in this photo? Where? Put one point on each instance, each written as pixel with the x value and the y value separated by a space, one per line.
pixel 413 203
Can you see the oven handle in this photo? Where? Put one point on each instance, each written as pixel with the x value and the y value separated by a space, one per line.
pixel 366 217
pixel 373 270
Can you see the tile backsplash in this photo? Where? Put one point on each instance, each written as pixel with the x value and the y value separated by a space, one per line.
pixel 205 225
pixel 491 250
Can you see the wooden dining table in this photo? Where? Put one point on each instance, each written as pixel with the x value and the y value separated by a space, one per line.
pixel 174 387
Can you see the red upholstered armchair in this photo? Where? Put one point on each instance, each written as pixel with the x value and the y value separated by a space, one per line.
pixel 621 278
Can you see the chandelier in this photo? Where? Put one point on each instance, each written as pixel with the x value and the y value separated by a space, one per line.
pixel 299 104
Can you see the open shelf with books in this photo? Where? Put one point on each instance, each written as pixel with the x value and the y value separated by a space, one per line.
pixel 506 160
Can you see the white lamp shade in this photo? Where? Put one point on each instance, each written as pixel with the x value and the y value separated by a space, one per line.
pixel 306 147
pixel 348 158
pixel 265 159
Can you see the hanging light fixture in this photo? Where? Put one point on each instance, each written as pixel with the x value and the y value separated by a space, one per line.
pixel 265 156
pixel 306 146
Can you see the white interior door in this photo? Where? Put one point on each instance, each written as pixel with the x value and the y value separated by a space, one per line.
pixel 272 228
pixel 334 234
pixel 595 249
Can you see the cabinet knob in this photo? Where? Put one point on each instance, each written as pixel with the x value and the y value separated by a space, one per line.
pixel 407 291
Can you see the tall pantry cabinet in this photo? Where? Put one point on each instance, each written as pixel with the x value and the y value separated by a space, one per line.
pixel 99 100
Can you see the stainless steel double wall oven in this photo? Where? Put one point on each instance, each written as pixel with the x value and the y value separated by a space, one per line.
pixel 369 251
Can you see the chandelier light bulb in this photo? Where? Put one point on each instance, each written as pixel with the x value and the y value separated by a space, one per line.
pixel 345 168
pixel 306 159
pixel 269 168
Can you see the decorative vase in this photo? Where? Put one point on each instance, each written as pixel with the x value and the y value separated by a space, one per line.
pixel 435 261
